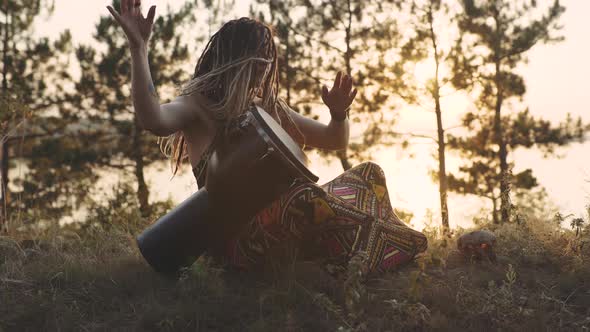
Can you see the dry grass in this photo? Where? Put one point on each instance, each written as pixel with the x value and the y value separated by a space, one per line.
pixel 95 280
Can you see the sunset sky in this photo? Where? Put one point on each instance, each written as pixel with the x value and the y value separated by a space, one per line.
pixel 557 83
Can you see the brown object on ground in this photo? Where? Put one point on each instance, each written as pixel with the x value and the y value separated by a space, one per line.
pixel 478 245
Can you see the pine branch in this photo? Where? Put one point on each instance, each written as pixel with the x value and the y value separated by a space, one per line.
pixel 116 166
pixel 454 127
pixel 413 135
pixel 323 43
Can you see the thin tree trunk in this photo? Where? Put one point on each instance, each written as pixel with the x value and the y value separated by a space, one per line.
pixel 5 194
pixel 442 174
pixel 5 53
pixel 498 128
pixel 4 144
pixel 495 211
pixel 287 68
pixel 506 205
pixel 142 189
pixel 503 151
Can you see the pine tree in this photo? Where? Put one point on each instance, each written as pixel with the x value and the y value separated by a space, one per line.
pixel 496 36
pixel 33 76
pixel 347 36
pixel 298 86
pixel 424 44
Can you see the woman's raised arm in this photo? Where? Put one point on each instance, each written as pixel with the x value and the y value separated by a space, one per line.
pixel 164 120
pixel 334 135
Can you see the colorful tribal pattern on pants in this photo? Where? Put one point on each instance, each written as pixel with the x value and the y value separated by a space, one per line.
pixel 331 223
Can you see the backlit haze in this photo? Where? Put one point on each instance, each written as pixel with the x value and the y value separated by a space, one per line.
pixel 557 83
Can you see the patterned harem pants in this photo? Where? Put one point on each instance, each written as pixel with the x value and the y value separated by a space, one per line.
pixel 331 223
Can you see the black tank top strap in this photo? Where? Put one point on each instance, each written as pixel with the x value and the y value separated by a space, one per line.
pixel 199 171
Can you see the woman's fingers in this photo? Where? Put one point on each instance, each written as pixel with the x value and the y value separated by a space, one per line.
pixel 131 7
pixel 151 15
pixel 131 10
pixel 325 91
pixel 115 14
pixel 347 85
pixel 337 81
pixel 124 7
pixel 352 95
pixel 342 85
pixel 137 7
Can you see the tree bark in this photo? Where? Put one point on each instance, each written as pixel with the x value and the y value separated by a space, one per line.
pixel 4 146
pixel 4 173
pixel 142 188
pixel 498 128
pixel 503 151
pixel 442 173
pixel 287 69
pixel 495 211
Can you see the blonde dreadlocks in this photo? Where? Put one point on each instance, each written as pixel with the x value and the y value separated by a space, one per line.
pixel 239 63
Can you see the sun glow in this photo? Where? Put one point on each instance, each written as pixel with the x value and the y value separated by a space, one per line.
pixel 556 81
pixel 424 71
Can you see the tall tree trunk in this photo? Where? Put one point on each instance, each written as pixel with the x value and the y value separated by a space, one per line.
pixel 142 188
pixel 505 202
pixel 287 68
pixel 503 151
pixel 4 173
pixel 495 211
pixel 442 173
pixel 4 144
pixel 498 128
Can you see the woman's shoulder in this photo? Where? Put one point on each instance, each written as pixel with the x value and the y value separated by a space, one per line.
pixel 195 104
pixel 198 103
pixel 194 99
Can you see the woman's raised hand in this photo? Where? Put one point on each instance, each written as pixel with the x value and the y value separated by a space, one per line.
pixel 340 97
pixel 138 29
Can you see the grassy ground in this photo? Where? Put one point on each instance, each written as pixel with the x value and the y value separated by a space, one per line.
pixel 94 280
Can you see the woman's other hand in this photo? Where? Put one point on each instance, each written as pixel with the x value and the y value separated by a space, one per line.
pixel 137 28
pixel 340 97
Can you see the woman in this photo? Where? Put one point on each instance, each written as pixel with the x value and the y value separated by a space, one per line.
pixel 349 214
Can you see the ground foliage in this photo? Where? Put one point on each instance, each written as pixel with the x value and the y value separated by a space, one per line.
pixel 93 278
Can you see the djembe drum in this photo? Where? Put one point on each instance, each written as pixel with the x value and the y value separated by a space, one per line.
pixel 254 162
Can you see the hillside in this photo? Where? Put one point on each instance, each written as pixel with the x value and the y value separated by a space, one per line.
pixel 94 279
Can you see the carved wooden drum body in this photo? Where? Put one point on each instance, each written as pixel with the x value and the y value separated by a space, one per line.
pixel 252 165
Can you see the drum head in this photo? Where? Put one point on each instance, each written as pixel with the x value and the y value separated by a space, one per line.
pixel 284 142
